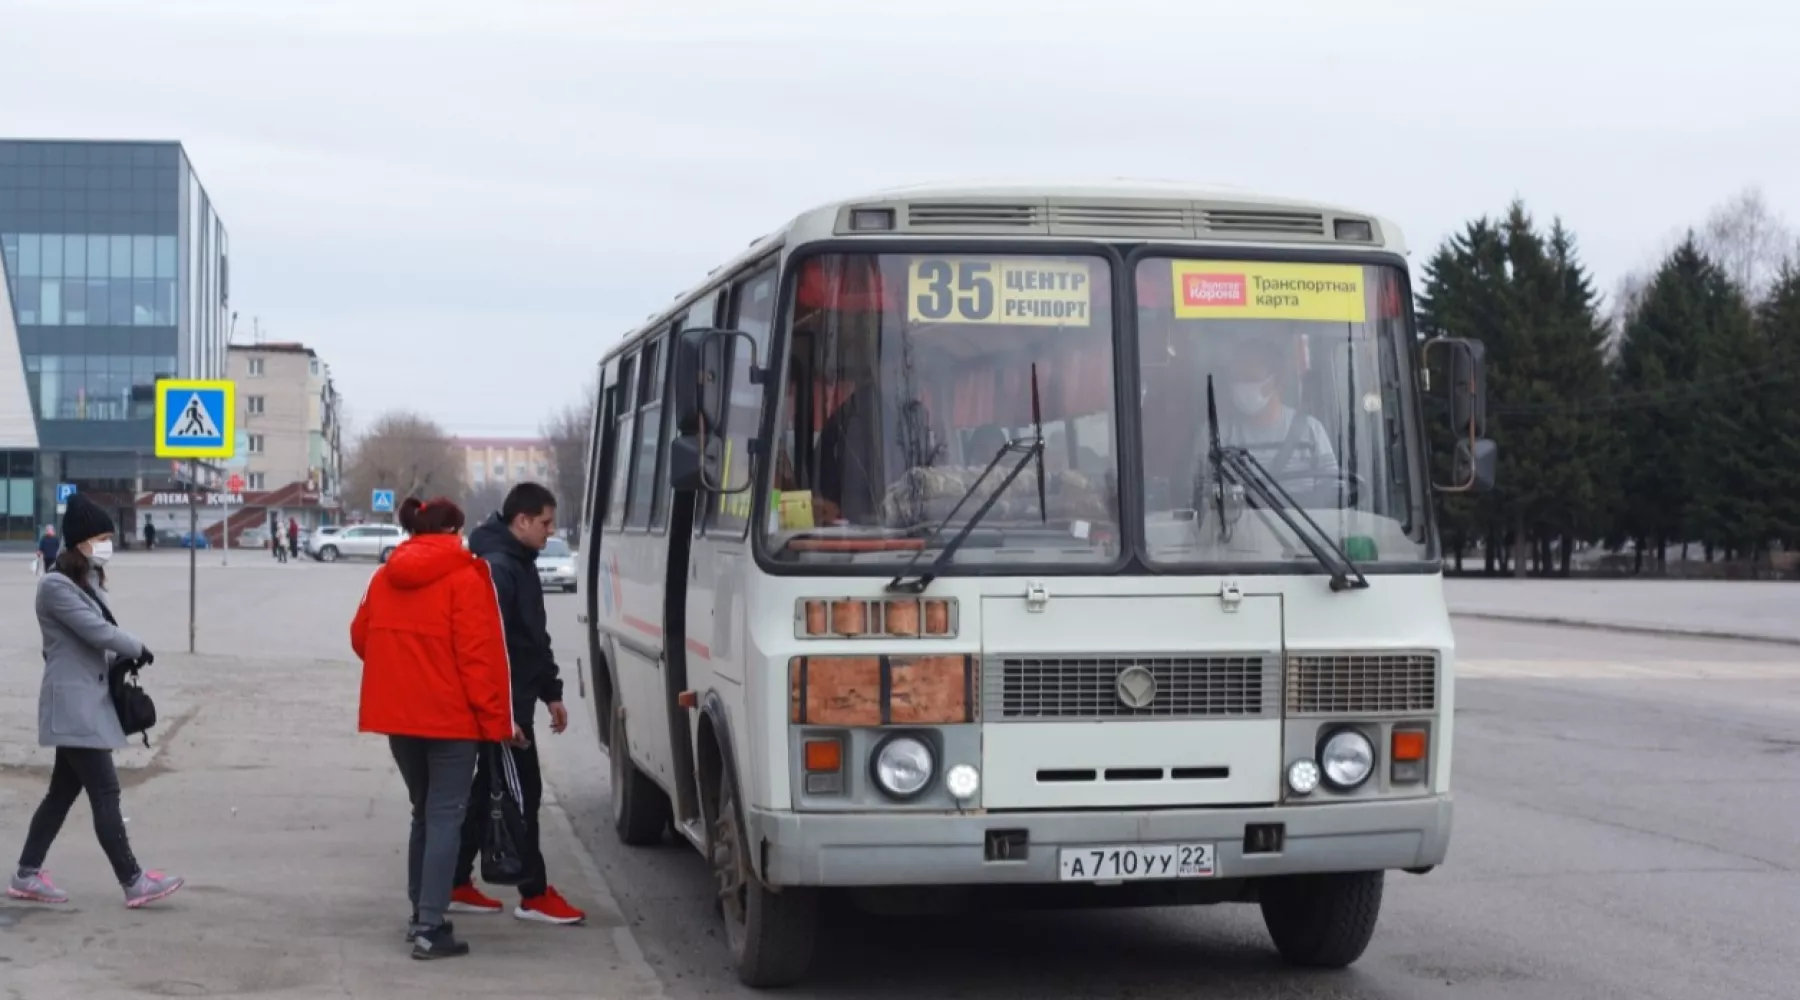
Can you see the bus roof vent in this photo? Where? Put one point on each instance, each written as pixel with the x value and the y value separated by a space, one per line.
pixel 1122 218
pixel 975 216
pixel 1257 221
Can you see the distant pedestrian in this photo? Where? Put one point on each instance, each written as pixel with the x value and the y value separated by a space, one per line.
pixel 435 683
pixel 149 533
pixel 510 542
pixel 83 646
pixel 48 547
pixel 293 534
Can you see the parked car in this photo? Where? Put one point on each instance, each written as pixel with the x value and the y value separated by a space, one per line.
pixel 363 541
pixel 556 566
pixel 317 538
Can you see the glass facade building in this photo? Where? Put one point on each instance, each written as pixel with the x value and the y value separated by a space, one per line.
pixel 117 274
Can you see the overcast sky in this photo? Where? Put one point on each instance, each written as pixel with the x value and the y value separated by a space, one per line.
pixel 461 204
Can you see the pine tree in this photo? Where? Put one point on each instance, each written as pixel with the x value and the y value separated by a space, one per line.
pixel 1778 328
pixel 1464 296
pixel 1730 506
pixel 1591 446
pixel 1659 357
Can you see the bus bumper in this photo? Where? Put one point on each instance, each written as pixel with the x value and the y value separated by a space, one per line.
pixel 912 849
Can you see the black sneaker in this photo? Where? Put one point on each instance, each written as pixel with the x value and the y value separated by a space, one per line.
pixel 438 942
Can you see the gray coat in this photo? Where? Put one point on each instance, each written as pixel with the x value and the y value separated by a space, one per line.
pixel 75 707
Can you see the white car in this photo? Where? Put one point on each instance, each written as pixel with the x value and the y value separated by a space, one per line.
pixel 362 541
pixel 556 566
pixel 317 538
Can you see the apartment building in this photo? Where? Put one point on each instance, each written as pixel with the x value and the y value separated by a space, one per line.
pixel 288 419
pixel 505 462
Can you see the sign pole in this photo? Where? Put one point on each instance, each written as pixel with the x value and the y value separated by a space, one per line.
pixel 196 418
pixel 225 533
pixel 193 560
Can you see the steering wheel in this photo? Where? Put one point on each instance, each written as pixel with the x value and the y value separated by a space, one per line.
pixel 1348 484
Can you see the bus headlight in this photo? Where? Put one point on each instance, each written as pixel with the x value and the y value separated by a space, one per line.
pixel 1347 758
pixel 903 766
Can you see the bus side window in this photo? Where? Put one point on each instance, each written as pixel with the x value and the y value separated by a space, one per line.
pixel 700 316
pixel 619 496
pixel 646 506
pixel 752 310
pixel 601 457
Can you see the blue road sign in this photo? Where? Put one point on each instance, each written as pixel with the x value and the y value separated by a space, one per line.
pixel 195 418
pixel 382 501
pixel 63 492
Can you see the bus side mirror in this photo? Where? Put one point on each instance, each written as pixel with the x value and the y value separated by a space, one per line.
pixel 1475 459
pixel 699 457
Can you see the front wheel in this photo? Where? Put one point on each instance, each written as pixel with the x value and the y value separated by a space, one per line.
pixel 328 554
pixel 770 933
pixel 1322 921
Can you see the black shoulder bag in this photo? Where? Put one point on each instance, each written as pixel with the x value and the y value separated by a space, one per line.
pixel 137 712
pixel 503 828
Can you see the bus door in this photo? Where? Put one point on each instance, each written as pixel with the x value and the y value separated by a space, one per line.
pixel 633 560
pixel 720 560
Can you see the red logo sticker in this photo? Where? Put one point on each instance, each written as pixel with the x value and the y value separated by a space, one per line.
pixel 1214 290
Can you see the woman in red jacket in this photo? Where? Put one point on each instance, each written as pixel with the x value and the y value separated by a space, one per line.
pixel 436 683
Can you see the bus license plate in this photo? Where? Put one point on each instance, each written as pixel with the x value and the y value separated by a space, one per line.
pixel 1136 862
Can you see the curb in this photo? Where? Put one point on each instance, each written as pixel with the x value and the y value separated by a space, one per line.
pixel 1596 626
pixel 650 984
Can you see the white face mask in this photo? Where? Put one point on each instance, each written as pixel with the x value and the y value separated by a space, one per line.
pixel 100 552
pixel 1252 397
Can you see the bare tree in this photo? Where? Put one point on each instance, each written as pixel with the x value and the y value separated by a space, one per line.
pixel 569 430
pixel 1749 239
pixel 405 452
pixel 482 499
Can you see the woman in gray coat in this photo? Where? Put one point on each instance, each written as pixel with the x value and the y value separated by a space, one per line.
pixel 75 710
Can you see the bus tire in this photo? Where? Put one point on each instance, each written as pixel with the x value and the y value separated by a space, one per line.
pixel 770 934
pixel 1322 921
pixel 640 809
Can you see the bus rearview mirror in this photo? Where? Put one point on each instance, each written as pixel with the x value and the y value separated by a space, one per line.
pixel 1466 391
pixel 704 359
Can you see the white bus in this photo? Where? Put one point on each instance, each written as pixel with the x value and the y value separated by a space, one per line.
pixel 1070 545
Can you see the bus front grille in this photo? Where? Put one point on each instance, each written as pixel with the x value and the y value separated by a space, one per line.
pixel 1025 688
pixel 1361 683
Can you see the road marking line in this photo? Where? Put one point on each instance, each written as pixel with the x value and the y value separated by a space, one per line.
pixel 1620 670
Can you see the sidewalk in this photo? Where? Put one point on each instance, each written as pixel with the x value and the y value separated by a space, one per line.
pixel 291 830
pixel 1760 611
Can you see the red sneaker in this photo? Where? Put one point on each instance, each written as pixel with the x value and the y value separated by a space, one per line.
pixel 468 899
pixel 550 908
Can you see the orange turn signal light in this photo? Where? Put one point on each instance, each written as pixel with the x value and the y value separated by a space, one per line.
pixel 824 756
pixel 1409 744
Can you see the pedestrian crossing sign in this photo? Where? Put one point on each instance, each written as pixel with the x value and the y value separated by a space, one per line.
pixel 196 418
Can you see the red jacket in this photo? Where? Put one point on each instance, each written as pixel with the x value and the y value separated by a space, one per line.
pixel 432 645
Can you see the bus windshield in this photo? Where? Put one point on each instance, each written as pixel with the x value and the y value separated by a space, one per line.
pixel 908 375
pixel 1305 367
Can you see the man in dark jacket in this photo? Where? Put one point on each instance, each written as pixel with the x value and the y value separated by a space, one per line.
pixel 510 542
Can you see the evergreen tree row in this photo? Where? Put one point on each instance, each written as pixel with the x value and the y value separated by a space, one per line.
pixel 1676 425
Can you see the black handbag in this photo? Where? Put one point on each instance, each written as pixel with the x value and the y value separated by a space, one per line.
pixel 137 711
pixel 134 706
pixel 503 826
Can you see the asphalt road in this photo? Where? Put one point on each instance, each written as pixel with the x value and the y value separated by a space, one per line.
pixel 1628 825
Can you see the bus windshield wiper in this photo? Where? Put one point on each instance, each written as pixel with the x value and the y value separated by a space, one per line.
pixel 904 582
pixel 1272 497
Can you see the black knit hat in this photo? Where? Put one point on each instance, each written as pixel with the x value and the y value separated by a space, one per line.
pixel 84 520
